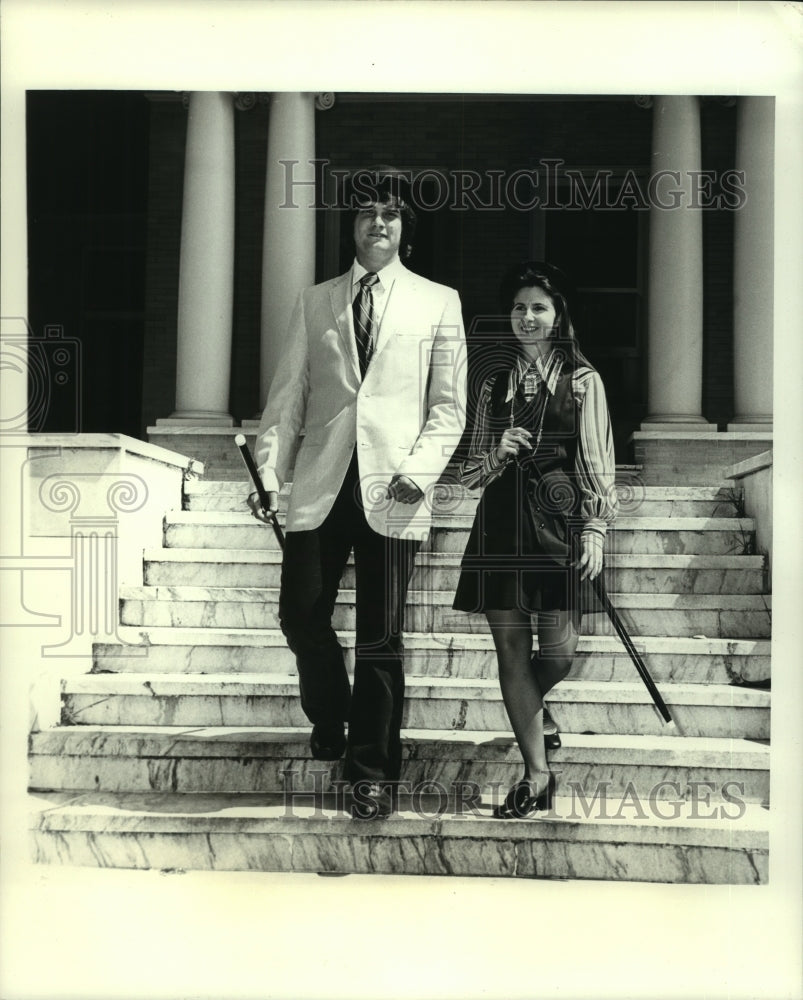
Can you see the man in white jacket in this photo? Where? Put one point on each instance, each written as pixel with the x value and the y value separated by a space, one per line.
pixel 366 409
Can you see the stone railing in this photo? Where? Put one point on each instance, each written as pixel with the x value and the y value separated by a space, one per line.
pixel 754 476
pixel 79 510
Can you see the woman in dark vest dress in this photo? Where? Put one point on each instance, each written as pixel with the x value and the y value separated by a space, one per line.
pixel 542 451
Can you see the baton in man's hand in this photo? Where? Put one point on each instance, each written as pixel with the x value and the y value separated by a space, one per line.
pixel 264 502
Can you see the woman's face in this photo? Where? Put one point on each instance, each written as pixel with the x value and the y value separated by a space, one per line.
pixel 532 317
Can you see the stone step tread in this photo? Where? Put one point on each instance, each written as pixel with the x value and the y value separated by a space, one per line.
pixel 601 657
pixel 164 742
pixel 221 519
pixel 155 635
pixel 639 506
pixel 430 688
pixel 262 595
pixel 671 436
pixel 235 488
pixel 223 430
pixel 243 814
pixel 274 556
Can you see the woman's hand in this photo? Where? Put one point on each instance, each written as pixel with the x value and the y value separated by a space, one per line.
pixel 513 439
pixel 256 507
pixel 590 561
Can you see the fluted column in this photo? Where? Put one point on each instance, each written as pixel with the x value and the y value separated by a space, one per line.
pixel 752 266
pixel 288 249
pixel 206 271
pixel 675 311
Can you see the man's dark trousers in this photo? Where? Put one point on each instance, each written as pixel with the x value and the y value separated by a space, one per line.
pixel 312 567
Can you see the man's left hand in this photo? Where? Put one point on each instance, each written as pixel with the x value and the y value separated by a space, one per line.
pixel 403 490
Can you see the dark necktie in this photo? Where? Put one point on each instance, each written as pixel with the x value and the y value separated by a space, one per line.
pixel 364 320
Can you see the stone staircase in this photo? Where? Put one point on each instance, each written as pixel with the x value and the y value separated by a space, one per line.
pixel 186 747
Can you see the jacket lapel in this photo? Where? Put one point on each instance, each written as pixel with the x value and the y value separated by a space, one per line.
pixel 340 295
pixel 392 316
pixel 394 312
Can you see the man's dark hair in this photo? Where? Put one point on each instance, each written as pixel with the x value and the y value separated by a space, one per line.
pixel 385 185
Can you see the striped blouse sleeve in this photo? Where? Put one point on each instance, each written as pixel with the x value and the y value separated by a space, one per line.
pixel 595 463
pixel 481 466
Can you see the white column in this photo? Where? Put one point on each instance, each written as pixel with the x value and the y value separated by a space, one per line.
pixel 675 310
pixel 288 248
pixel 206 273
pixel 752 266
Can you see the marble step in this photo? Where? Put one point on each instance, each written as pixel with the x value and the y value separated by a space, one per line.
pixel 633 574
pixel 635 499
pixel 619 841
pixel 160 759
pixel 720 711
pixel 598 658
pixel 659 535
pixel 742 616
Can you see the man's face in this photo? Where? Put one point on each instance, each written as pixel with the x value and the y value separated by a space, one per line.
pixel 377 234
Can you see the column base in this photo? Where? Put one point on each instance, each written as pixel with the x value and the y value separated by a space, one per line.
pixel 751 424
pixel 696 457
pixel 209 443
pixel 196 418
pixel 680 422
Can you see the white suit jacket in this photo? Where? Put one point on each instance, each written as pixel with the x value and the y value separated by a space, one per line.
pixel 406 417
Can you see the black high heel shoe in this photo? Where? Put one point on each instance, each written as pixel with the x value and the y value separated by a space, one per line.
pixel 551 732
pixel 520 802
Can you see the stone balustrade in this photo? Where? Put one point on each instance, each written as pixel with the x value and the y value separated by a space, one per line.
pixel 85 507
pixel 754 476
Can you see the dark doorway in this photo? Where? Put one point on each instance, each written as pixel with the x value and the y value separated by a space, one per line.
pixel 87 162
pixel 602 251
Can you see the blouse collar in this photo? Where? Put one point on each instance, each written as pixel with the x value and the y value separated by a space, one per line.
pixel 549 371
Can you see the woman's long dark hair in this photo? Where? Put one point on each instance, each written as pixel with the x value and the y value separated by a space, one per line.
pixel 550 279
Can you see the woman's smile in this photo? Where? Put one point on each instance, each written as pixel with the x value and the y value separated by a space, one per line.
pixel 532 317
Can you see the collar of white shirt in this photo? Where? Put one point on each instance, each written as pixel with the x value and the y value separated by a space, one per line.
pixel 386 276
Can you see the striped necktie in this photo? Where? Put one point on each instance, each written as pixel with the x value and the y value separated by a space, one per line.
pixel 364 320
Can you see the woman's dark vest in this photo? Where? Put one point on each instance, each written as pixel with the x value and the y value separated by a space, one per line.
pixel 561 426
pixel 537 494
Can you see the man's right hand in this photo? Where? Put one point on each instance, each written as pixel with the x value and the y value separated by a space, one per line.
pixel 256 507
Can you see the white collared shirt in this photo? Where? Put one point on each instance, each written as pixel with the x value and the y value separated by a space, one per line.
pixel 382 289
